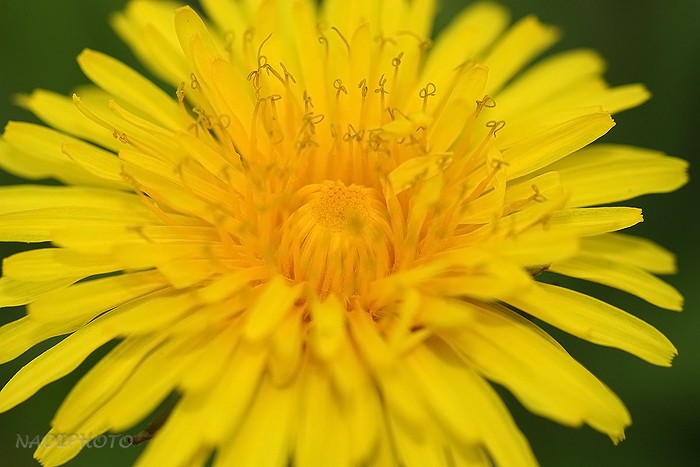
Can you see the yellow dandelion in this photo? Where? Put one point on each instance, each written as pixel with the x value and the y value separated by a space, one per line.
pixel 325 236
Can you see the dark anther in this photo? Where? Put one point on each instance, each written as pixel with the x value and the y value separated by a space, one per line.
pixel 155 425
pixel 495 125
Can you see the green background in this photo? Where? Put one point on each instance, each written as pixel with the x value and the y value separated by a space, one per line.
pixel 651 41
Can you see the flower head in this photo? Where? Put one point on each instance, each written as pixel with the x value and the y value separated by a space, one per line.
pixel 326 235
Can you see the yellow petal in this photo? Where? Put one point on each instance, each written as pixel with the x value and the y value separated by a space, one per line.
pixel 593 221
pixel 86 300
pixel 35 152
pixel 536 248
pixel 55 263
pixel 419 18
pixel 521 43
pixel 274 303
pixel 57 448
pixel 21 335
pixel 475 28
pixel 59 112
pixel 51 365
pixel 228 16
pixel 613 100
pixel 38 225
pixel 628 278
pixel 459 109
pixel 124 83
pixel 100 163
pixel 546 80
pixel 148 30
pixel 102 239
pixel 595 321
pixel 634 251
pixel 137 317
pixel 271 413
pixel 101 382
pixel 497 278
pixel 412 451
pixel 287 350
pixel 553 142
pixel 415 170
pixel 145 314
pixel 170 442
pixel 511 351
pixel 520 196
pixel 609 173
pixel 322 437
pixel 467 407
pixel 16 293
pixel 149 383
pixel 232 395
pixel 328 327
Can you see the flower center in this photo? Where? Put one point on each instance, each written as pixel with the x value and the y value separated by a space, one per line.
pixel 338 238
pixel 341 208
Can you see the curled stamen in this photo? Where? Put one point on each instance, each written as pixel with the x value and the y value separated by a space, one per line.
pixel 316 119
pixel 353 134
pixel 375 142
pixel 363 86
pixel 287 75
pixel 260 47
pixel 194 82
pixel 384 40
pixel 254 77
pixel 444 161
pixel 429 90
pixel 498 164
pixel 202 118
pixel 308 104
pixel 380 89
pixel 341 37
pixel 538 196
pixel 121 136
pixel 272 71
pixel 229 37
pixel 339 87
pixel 224 121
pixel 423 43
pixel 310 121
pixel 248 35
pixel 485 102
pixel 396 110
pixel 396 61
pixel 324 42
pixel 495 126
pixel 180 93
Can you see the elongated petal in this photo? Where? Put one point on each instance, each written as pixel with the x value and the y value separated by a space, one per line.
pixel 635 251
pixel 509 350
pixel 596 321
pixel 125 83
pixel 623 277
pixel 618 173
pixel 548 145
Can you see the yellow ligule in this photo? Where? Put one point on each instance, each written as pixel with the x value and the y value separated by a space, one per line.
pixel 624 277
pixel 595 321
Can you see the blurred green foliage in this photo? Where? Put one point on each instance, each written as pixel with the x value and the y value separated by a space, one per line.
pixel 647 41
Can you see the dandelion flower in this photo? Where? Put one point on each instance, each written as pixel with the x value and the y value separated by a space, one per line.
pixel 325 234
